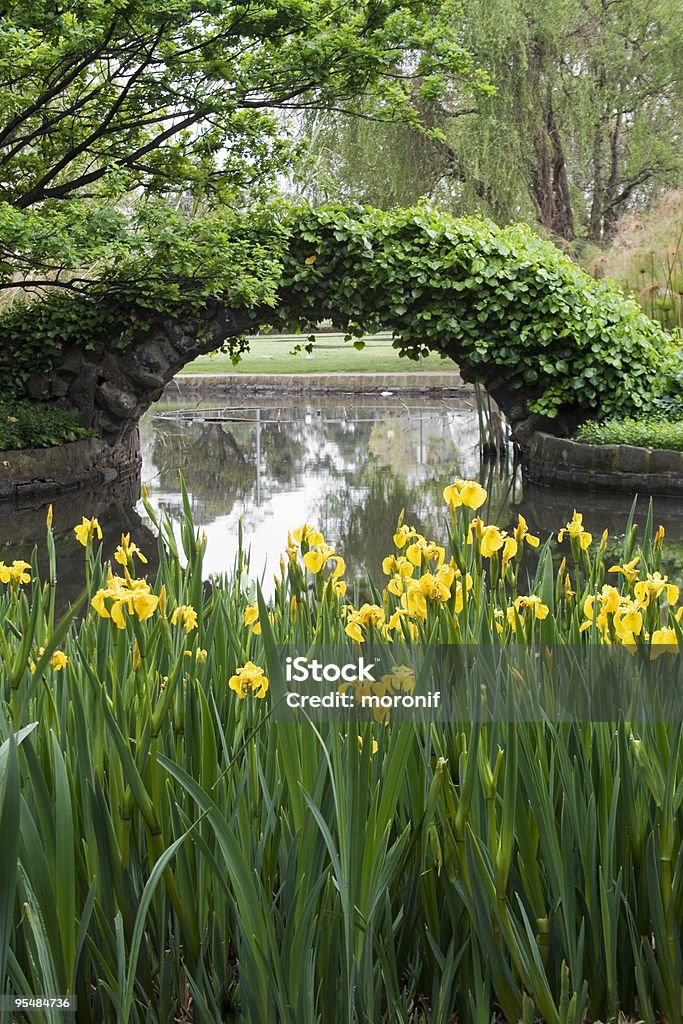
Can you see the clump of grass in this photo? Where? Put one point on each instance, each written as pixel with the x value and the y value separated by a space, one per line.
pixel 29 425
pixel 646 259
pixel 645 433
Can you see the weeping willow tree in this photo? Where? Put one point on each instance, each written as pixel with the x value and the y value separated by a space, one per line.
pixel 584 124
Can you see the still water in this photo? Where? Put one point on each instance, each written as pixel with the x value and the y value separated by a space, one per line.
pixel 349 467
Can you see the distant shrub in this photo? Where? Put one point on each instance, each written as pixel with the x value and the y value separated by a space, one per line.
pixel 27 425
pixel 645 433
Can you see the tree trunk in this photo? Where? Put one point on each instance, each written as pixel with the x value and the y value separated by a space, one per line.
pixel 548 174
pixel 605 203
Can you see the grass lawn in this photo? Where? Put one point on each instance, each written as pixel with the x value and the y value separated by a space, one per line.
pixel 272 354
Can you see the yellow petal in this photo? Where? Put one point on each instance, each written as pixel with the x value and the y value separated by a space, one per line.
pixel 99 605
pixel 117 614
pixel 314 561
pixel 353 630
pixel 145 605
pixel 472 494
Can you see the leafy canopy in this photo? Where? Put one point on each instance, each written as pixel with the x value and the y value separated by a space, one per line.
pixel 585 122
pixel 506 305
pixel 120 120
pixel 141 143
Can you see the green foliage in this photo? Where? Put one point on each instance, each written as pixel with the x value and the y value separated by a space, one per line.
pixel 132 143
pixel 584 123
pixel 504 303
pixel 116 117
pixel 171 266
pixel 171 850
pixel 646 433
pixel 27 425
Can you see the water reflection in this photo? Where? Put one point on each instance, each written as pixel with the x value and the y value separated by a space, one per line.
pixel 22 528
pixel 348 467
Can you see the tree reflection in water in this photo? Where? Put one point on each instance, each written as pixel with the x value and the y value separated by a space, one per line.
pixel 349 467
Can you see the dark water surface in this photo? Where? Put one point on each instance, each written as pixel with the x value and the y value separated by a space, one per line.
pixel 347 466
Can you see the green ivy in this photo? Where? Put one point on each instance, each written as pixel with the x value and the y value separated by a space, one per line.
pixel 27 425
pixel 504 302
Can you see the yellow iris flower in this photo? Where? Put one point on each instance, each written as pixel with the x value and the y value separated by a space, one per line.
pixel 392 566
pixel 58 661
pixel 464 492
pixel 403 535
pixel 626 619
pixel 249 678
pixel 628 570
pixel 353 629
pixel 401 679
pixel 435 588
pixel 509 551
pixel 423 551
pixel 521 533
pixel 126 549
pixel 414 600
pixel 662 638
pixel 186 614
pixel 523 604
pixel 653 586
pixel 575 530
pixel 492 540
pixel 17 572
pixel 308 535
pixel 251 618
pixel 359 618
pixel 86 530
pixel 130 594
pixel 317 558
pixel 628 622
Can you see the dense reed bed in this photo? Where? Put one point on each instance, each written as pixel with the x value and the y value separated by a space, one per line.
pixel 171 852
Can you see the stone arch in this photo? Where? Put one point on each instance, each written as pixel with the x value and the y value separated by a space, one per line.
pixel 551 345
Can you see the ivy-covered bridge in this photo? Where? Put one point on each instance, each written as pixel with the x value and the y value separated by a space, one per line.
pixel 551 345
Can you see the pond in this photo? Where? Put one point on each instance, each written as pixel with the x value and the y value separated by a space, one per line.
pixel 348 466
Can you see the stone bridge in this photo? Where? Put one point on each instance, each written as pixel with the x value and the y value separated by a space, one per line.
pixel 551 345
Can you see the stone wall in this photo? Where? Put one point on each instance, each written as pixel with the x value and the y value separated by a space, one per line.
pixel 47 472
pixel 558 462
pixel 196 386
